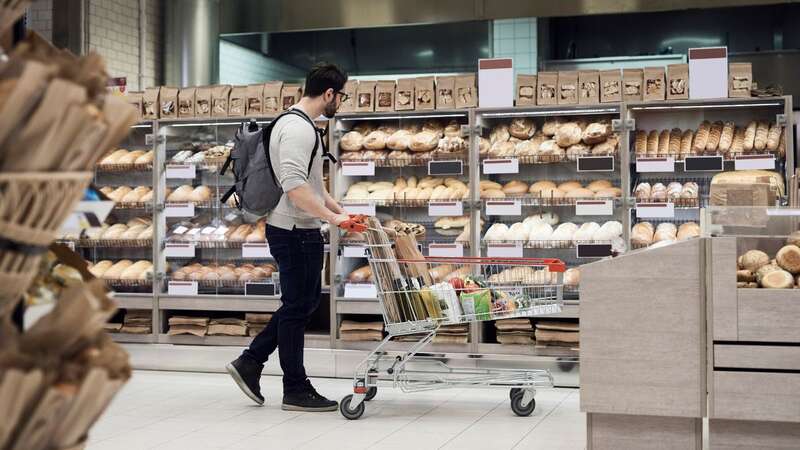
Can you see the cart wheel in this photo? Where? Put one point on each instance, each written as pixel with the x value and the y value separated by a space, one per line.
pixel 371 393
pixel 513 392
pixel 516 405
pixel 352 414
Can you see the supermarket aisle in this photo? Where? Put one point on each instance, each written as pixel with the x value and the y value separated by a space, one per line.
pixel 167 410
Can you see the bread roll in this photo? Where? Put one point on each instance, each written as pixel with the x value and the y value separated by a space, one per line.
pixel 135 271
pixel 750 136
pixel 663 143
pixel 130 157
pixel 788 258
pixel 424 141
pixel 597 185
pixel 113 158
pixel 778 279
pixel 686 142
pixel 515 187
pixel 774 137
pixel 640 143
pixel 180 194
pixel 100 268
pixel 642 192
pixel 652 143
pixel 564 232
pixel 399 140
pixel 580 193
pixel 352 141
pixel 496 232
pixel 146 158
pixel 540 232
pixel 612 192
pixel 726 138
pixel 762 133
pixel 551 126
pixel 642 234
pixel 486 184
pixel 114 231
pixel 737 144
pixel 569 186
pixel 115 271
pixel 688 230
pixel 701 138
pixel 522 128
pixel 586 232
pixel 118 193
pixel 595 133
pixel 430 182
pixel 607 147
pixel 753 260
pixel 133 232
pixel 200 194
pixel 132 196
pixel 541 185
pixel 551 193
pixel 502 148
pixel 375 140
pixel 499 133
pixel 674 142
pixel 568 134
pixel 493 193
pixel 147 233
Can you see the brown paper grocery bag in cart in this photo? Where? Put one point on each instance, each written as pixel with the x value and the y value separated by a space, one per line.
pixel 22 85
pixel 406 248
pixel 18 390
pixel 42 421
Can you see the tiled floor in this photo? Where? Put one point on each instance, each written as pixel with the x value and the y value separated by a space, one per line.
pixel 195 411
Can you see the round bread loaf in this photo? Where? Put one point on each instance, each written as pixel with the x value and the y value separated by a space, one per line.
pixel 612 192
pixel 522 128
pixel 569 186
pixel 499 133
pixel 551 126
pixel 484 145
pixel 399 140
pixel 595 133
pixel 493 193
pixel 568 134
pixel 597 185
pixel 502 148
pixel 753 260
pixel 539 186
pixel 486 184
pixel 375 140
pixel 515 187
pixel 352 141
pixel 424 141
pixel 580 193
pixel 453 129
pixel 551 193
pixel 788 258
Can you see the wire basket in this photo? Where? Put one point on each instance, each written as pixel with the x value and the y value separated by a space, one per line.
pixel 33 207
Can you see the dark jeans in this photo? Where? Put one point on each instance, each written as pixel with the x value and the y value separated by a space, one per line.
pixel 299 254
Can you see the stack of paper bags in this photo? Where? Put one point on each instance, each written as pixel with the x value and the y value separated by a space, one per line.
pixel 197 326
pixel 351 330
pixel 514 331
pixel 112 327
pixel 447 334
pixel 227 327
pixel 557 334
pixel 256 322
pixel 137 322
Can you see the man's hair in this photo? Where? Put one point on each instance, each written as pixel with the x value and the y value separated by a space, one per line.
pixel 324 76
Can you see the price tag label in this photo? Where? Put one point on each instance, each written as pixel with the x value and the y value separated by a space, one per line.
pixel 179 250
pixel 754 162
pixel 255 250
pixel 446 209
pixel 182 288
pixel 181 171
pixel 703 164
pixel 666 164
pixel 367 209
pixel 358 168
pixel 593 250
pixel 148 139
pixel 446 250
pixel 354 251
pixel 503 208
pixel 595 164
pixel 655 210
pixel 259 288
pixel 594 207
pixel 507 165
pixel 179 209
pixel 511 250
pixel 446 167
pixel 360 290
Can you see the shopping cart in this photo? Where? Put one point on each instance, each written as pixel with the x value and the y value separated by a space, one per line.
pixel 418 295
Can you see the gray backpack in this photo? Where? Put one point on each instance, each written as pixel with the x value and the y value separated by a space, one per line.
pixel 257 190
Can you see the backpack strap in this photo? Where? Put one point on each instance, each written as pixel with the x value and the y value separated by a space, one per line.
pixel 317 134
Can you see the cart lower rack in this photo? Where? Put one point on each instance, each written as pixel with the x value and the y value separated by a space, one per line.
pixel 418 295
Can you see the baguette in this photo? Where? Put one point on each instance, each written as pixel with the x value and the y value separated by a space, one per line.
pixel 774 137
pixel 686 142
pixel 726 138
pixel 701 137
pixel 652 143
pixel 675 142
pixel 640 146
pixel 750 137
pixel 714 135
pixel 762 131
pixel 663 143
pixel 737 145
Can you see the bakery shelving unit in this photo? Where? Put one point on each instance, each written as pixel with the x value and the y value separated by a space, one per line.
pixel 199 236
pixel 355 298
pixel 696 166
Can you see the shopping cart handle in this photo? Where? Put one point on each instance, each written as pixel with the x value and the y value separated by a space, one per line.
pixel 356 223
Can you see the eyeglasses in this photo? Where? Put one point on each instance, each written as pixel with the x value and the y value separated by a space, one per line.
pixel 344 96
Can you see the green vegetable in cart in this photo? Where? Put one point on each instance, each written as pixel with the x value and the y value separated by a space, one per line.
pixel 478 303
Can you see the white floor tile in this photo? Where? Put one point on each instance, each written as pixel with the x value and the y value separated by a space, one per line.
pixel 199 411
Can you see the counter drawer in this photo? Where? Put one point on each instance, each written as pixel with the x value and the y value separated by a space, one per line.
pixel 772 357
pixel 769 315
pixel 756 396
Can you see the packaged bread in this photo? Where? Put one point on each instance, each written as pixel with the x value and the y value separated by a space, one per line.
pixel 750 136
pixel 150 103
pixel 522 128
pixel 168 99
pixel 588 87
pixel 291 94
pixel 404 94
pixel 237 101
pixel 740 79
pixel 687 139
pixel 526 90
pixel 652 143
pixel 568 134
pixel 272 97
pixel 610 86
pixel 640 143
pixel 774 137
pixel 675 142
pixel 352 141
pixel 714 135
pixel 595 133
pixel 762 133
pixel 365 97
pixel 663 143
pixel 701 137
pixel 677 81
pixel 654 84
pixel 632 84
pixel 546 88
pixel 425 95
pixel 219 100
pixel 445 92
pixel 568 87
pixel 726 137
pixel 384 95
pixel 466 91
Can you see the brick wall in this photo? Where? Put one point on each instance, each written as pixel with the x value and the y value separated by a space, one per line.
pixel 113 32
pixel 240 65
pixel 40 18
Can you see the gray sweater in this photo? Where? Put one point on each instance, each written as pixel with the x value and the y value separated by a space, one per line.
pixel 290 148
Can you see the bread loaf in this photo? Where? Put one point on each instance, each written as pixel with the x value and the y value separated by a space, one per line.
pixel 750 136
pixel 774 137
pixel 540 185
pixel 352 141
pixel 132 196
pixel 181 194
pixel 652 143
pixel 399 140
pixel 522 128
pixel 701 137
pixel 595 133
pixel 118 193
pixel 642 234
pixel 642 192
pixel 762 133
pixel 688 230
pixel 375 140
pixel 788 258
pixel 526 148
pixel 726 138
pixel 146 158
pixel 551 125
pixel 753 260
pixel 714 135
pixel 569 186
pixel 640 143
pixel 607 147
pixel 597 185
pixel 674 142
pixel 493 193
pixel 663 143
pixel 502 148
pixel 115 271
pixel 612 192
pixel 200 194
pixel 483 146
pixel 424 141
pixel 737 144
pixel 135 271
pixel 113 158
pixel 499 133
pixel 580 193
pixel 574 151
pixel 486 184
pixel 100 268
pixel 777 279
pixel 551 193
pixel 568 134
pixel 686 142
pixel 130 157
pixel 515 187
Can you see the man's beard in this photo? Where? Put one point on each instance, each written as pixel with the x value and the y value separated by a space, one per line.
pixel 330 109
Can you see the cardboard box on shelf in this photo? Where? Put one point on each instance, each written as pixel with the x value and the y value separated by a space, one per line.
pixel 677 82
pixel 547 88
pixel 654 84
pixel 568 87
pixel 610 86
pixel 588 87
pixel 526 90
